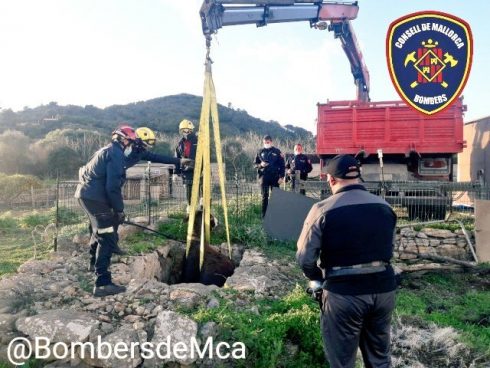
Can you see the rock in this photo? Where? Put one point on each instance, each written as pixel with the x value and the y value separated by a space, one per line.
pixel 96 306
pixel 125 338
pixel 236 252
pixel 121 273
pixel 213 303
pixel 438 233
pixel 59 325
pixel 449 241
pixel 422 235
pixel 119 307
pixel 105 318
pixel 81 239
pixel 422 242
pixel 146 267
pixel 107 328
pixel 209 329
pixel 172 261
pixel 256 275
pixel 190 295
pixel 7 323
pixel 132 318
pixel 175 329
pixel 70 291
pixel 450 250
pixel 140 310
pixel 407 231
pixel 126 230
pixel 39 267
pixel 434 242
pixel 462 243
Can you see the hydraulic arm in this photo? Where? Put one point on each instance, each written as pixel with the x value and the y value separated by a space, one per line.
pixel 334 16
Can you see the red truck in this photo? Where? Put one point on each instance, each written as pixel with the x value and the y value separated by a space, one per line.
pixel 414 147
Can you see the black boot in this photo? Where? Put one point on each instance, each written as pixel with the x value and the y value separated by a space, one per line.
pixel 110 289
pixel 119 251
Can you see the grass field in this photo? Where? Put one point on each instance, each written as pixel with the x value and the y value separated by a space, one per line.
pixel 458 300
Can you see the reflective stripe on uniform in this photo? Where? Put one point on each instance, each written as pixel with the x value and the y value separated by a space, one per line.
pixel 105 230
pixel 362 265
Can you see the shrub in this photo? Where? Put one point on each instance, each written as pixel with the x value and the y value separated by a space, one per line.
pixel 36 218
pixel 7 222
pixel 11 186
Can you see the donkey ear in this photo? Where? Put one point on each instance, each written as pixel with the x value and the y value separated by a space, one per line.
pixel 214 222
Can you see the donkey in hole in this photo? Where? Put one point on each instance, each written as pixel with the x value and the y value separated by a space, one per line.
pixel 216 267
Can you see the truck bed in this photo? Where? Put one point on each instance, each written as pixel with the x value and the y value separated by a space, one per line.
pixel 352 126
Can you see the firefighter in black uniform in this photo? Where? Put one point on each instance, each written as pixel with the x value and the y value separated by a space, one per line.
pixel 352 233
pixel 270 169
pixel 186 148
pixel 140 151
pixel 298 162
pixel 99 194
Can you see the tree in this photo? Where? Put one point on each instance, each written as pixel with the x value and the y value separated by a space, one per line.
pixel 14 151
pixel 63 160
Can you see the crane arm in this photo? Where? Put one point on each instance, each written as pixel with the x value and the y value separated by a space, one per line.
pixel 216 14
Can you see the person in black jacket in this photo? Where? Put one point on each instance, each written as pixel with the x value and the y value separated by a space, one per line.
pixel 140 151
pixel 270 169
pixel 186 148
pixel 298 162
pixel 352 234
pixel 99 194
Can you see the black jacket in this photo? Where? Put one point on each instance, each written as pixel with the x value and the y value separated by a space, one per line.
pixel 351 227
pixel 301 163
pixel 275 168
pixel 186 148
pixel 141 154
pixel 102 178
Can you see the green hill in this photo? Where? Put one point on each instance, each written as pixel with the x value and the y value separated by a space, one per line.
pixel 162 114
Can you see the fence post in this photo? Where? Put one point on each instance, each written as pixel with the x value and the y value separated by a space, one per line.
pixel 237 194
pixel 32 198
pixel 56 222
pixel 148 186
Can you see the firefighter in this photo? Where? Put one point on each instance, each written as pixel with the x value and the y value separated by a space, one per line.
pixel 145 140
pixel 99 194
pixel 299 162
pixel 270 169
pixel 186 148
pixel 352 233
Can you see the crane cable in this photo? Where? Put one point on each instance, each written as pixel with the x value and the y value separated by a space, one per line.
pixel 202 165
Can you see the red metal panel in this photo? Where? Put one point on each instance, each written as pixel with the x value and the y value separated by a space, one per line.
pixel 351 126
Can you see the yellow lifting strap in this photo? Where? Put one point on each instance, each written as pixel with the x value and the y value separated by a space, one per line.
pixel 209 111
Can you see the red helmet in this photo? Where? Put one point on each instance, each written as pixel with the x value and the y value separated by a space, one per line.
pixel 124 132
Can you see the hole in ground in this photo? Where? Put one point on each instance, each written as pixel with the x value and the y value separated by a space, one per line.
pixel 169 264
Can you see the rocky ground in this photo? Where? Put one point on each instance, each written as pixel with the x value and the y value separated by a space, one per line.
pixel 52 298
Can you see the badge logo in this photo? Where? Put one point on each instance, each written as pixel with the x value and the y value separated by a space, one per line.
pixel 429 58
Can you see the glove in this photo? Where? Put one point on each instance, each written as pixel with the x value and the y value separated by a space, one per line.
pixel 186 162
pixel 120 217
pixel 315 290
pixel 264 164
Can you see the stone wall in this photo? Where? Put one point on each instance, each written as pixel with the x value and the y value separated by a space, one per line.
pixel 430 241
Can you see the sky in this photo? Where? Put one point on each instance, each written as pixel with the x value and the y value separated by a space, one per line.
pixel 101 53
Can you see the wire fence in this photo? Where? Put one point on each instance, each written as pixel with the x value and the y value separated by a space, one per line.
pixel 37 221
